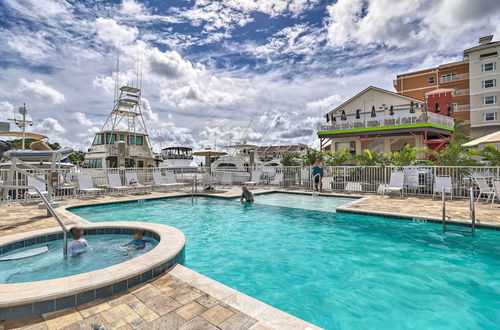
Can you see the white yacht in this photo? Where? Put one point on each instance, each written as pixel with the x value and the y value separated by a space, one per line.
pixel 123 141
pixel 240 162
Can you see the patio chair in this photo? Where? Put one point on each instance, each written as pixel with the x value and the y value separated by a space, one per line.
pixel 133 182
pixel 255 179
pixel 38 183
pixel 484 189
pixel 208 181
pixel 115 183
pixel 226 179
pixel 353 186
pixel 172 181
pixel 277 180
pixel 396 183
pixel 496 188
pixel 86 186
pixel 440 183
pixel 159 182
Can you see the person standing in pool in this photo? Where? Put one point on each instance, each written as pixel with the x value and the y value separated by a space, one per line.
pixel 138 242
pixel 317 172
pixel 246 195
pixel 78 245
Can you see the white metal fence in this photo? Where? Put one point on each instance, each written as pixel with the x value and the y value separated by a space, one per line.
pixel 419 180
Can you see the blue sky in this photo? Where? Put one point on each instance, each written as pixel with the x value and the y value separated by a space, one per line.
pixel 213 68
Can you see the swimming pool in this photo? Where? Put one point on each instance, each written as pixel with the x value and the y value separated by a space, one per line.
pixel 339 270
pixel 104 251
pixel 303 201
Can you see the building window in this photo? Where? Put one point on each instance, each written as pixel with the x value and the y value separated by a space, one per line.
pixel 431 80
pixel 448 77
pixel 489 100
pixel 489 67
pixel 455 106
pixel 489 83
pixel 490 116
pixel 488 55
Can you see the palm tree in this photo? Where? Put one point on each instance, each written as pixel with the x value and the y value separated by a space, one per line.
pixel 310 157
pixel 490 153
pixel 290 159
pixel 338 158
pixel 371 158
pixel 408 156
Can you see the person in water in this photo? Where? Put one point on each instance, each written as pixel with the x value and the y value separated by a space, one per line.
pixel 138 242
pixel 246 195
pixel 78 245
pixel 317 172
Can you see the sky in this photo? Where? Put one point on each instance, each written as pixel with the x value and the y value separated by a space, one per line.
pixel 219 71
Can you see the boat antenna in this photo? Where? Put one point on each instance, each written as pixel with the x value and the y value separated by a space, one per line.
pixel 117 68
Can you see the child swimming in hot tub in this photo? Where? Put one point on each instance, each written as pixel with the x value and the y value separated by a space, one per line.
pixel 138 241
pixel 78 245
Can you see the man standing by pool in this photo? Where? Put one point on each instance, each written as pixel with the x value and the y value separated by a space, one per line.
pixel 246 195
pixel 317 172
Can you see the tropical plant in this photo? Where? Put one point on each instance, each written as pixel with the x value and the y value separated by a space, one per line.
pixel 490 153
pixel 291 159
pixel 310 156
pixel 371 158
pixel 408 156
pixel 338 158
pixel 455 154
pixel 77 158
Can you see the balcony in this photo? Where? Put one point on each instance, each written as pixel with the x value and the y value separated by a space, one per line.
pixel 465 107
pixel 451 78
pixel 460 92
pixel 386 122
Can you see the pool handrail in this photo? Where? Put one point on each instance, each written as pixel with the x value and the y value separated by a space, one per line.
pixel 49 208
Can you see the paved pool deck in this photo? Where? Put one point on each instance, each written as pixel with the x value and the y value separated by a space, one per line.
pixel 184 299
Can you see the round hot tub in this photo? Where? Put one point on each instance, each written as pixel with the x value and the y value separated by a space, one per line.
pixel 35 278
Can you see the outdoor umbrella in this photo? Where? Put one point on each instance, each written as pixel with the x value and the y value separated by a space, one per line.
pixel 209 153
pixel 373 113
pixel 487 139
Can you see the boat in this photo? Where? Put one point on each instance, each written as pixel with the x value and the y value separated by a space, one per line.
pixel 240 162
pixel 123 140
pixel 177 158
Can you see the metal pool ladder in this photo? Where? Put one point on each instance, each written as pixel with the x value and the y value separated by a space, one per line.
pixel 472 212
pixel 50 209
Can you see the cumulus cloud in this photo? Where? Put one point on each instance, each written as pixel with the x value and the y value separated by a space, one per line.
pixel 6 110
pixel 49 126
pixel 109 31
pixel 82 119
pixel 39 89
pixel 435 25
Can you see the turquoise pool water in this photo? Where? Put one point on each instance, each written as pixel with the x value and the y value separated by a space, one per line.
pixel 338 271
pixel 301 201
pixel 104 251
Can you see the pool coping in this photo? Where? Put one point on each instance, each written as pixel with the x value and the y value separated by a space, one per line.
pixel 266 315
pixel 24 299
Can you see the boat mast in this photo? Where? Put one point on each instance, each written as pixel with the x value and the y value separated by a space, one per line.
pixel 22 123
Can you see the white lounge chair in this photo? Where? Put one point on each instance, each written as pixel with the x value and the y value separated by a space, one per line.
pixel 277 180
pixel 226 179
pixel 484 189
pixel 86 186
pixel 396 183
pixel 115 183
pixel 208 181
pixel 255 179
pixel 37 183
pixel 353 186
pixel 440 183
pixel 159 182
pixel 133 182
pixel 496 188
pixel 172 181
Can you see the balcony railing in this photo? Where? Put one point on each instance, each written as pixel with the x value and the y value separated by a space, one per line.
pixel 462 92
pixel 448 78
pixel 391 121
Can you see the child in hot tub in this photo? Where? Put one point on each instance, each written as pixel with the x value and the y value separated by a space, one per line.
pixel 138 241
pixel 78 245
